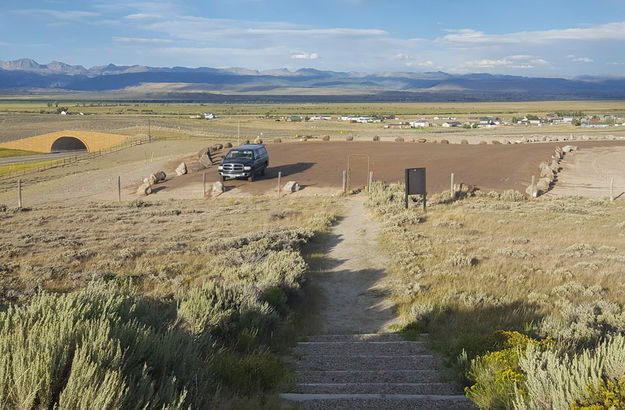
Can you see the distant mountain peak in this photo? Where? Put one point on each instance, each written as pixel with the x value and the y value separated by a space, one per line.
pixel 220 84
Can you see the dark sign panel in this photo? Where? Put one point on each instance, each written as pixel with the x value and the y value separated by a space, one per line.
pixel 415 181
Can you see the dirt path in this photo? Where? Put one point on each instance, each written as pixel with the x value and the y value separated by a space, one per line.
pixel 352 299
pixel 587 173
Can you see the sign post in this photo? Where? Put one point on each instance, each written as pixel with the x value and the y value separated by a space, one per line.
pixel 415 184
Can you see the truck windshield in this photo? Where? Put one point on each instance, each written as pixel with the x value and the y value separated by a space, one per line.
pixel 240 154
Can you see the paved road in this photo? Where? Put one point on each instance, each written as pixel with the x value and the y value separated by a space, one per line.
pixel 41 157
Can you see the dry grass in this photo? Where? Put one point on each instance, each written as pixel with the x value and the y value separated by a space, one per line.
pixel 162 246
pixel 477 265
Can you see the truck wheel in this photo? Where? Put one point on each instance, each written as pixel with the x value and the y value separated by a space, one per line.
pixel 251 177
pixel 223 178
pixel 262 171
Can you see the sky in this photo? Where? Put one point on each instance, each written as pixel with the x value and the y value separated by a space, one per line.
pixel 550 38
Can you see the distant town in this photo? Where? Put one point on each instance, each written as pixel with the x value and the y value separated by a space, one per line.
pixel 391 121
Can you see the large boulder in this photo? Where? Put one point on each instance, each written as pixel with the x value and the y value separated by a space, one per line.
pixel 465 188
pixel 205 161
pixel 203 151
pixel 218 189
pixel 291 186
pixel 160 176
pixel 543 186
pixel 547 172
pixel 182 169
pixel 144 189
pixel 150 180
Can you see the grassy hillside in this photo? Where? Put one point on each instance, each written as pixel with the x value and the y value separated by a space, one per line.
pixel 504 285
pixel 151 305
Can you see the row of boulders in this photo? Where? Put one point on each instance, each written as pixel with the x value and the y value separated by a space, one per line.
pixel 146 187
pixel 549 171
pixel 218 188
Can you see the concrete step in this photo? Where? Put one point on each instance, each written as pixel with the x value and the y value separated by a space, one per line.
pixel 378 388
pixel 378 337
pixel 368 376
pixel 366 362
pixel 378 401
pixel 361 347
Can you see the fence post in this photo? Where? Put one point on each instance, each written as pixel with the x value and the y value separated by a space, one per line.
pixel 452 194
pixel 204 185
pixel 532 188
pixel 349 179
pixel 612 189
pixel 119 188
pixel 19 193
pixel 370 180
pixel 344 181
pixel 279 186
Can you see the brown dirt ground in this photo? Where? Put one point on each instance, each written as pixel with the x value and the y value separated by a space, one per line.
pixel 319 165
pixel 588 173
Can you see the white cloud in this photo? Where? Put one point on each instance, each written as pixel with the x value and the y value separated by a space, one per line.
pixel 305 56
pixel 515 61
pixel 66 15
pixel 143 16
pixel 580 59
pixel 141 40
pixel 610 31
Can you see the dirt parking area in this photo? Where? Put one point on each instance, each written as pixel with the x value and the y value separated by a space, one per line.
pixel 320 165
pixel 316 166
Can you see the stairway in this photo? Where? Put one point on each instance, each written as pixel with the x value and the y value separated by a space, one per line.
pixel 369 371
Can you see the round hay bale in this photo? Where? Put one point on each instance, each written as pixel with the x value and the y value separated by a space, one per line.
pixel 326 138
pixel 399 139
pixel 349 138
pixel 422 140
pixel 444 142
pixel 464 142
pixel 495 142
pixel 483 143
pixel 376 138
pixel 228 145
pixel 277 140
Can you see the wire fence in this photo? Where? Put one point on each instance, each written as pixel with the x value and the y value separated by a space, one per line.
pixel 56 163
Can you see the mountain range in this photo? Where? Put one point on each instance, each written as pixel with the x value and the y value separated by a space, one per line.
pixel 240 84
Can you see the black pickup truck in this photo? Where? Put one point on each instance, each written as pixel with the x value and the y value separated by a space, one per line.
pixel 245 161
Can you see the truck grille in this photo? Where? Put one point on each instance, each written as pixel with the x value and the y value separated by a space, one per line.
pixel 233 167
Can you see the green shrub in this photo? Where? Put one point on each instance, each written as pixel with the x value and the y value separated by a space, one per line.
pixel 276 298
pixel 94 349
pixel 555 381
pixel 606 395
pixel 497 376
